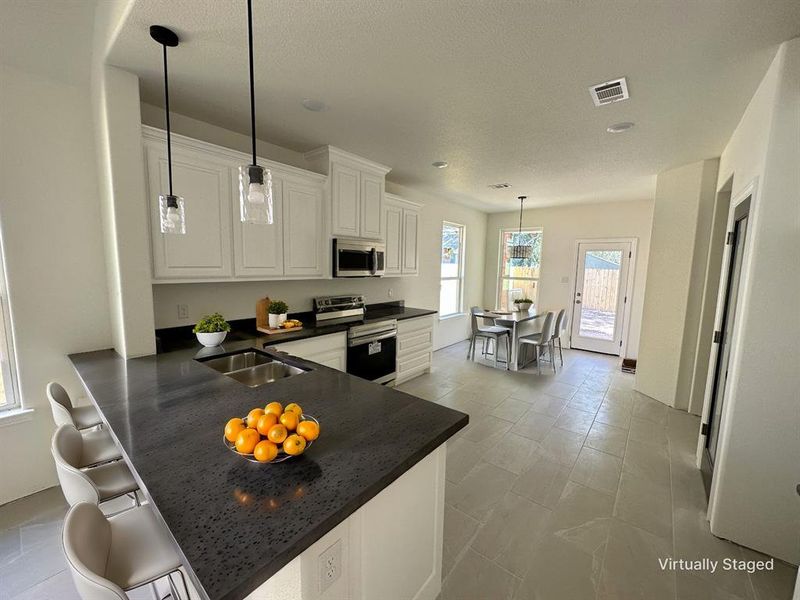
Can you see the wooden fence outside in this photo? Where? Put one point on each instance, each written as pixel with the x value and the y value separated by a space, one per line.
pixel 600 289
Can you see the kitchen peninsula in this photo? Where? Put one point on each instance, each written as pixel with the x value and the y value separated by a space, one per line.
pixel 368 496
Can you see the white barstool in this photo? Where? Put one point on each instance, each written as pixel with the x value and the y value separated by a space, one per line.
pixel 98 445
pixel 543 339
pixel 82 417
pixel 561 325
pixel 96 484
pixel 109 556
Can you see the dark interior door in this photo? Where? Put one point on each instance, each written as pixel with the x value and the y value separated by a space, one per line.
pixel 737 240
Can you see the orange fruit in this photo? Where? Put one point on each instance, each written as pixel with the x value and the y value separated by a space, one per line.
pixel 232 429
pixel 266 421
pixel 309 430
pixel 276 408
pixel 253 416
pixel 277 433
pixel 295 408
pixel 290 420
pixel 294 444
pixel 265 451
pixel 246 441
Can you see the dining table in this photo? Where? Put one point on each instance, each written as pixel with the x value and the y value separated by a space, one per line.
pixel 515 321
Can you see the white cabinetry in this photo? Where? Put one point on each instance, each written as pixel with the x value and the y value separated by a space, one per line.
pixel 329 350
pixel 357 190
pixel 414 347
pixel 203 180
pixel 217 246
pixel 401 219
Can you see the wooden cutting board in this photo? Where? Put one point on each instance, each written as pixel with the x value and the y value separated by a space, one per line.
pixel 262 314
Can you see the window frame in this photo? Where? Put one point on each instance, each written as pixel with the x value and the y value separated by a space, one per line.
pixel 461 270
pixel 500 265
pixel 8 369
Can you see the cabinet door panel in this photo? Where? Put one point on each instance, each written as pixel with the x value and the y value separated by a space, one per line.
pixel 371 206
pixel 258 249
pixel 303 230
pixel 345 198
pixel 410 244
pixel 394 228
pixel 205 185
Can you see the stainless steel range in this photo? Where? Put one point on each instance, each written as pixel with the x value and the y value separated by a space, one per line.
pixel 371 347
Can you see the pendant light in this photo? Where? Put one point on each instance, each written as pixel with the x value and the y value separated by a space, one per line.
pixel 520 250
pixel 255 182
pixel 170 206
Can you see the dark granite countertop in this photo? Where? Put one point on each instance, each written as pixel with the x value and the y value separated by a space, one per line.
pixel 238 523
pixel 244 330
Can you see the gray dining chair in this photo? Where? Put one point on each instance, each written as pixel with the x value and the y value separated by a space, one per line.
pixel 82 417
pixel 95 484
pixel 540 341
pixel 109 556
pixel 492 333
pixel 560 327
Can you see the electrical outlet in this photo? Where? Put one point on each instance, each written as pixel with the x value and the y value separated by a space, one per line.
pixel 330 566
pixel 183 311
pixel 391 292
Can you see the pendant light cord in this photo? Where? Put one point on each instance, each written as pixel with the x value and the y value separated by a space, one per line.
pixel 252 83
pixel 166 108
pixel 521 200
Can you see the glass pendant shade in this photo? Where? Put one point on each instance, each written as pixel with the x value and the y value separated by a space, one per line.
pixel 173 219
pixel 255 194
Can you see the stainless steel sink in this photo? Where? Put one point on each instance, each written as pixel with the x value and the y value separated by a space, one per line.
pixel 252 368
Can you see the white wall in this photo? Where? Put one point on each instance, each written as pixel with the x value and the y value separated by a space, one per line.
pixel 753 497
pixel 53 247
pixel 561 227
pixel 236 300
pixel 682 216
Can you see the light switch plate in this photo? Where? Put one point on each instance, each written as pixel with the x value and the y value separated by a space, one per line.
pixel 330 566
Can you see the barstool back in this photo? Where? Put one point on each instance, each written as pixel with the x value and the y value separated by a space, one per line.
pixel 87 541
pixel 560 322
pixel 548 327
pixel 60 404
pixel 67 449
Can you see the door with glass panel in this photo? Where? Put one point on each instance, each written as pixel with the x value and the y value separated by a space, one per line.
pixel 600 296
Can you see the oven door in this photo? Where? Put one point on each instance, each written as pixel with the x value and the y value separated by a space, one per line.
pixel 373 357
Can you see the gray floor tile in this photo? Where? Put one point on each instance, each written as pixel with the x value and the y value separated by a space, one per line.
pixel 487 431
pixel 561 390
pixel 459 528
pixel 57 587
pixel 481 489
pixel 645 504
pixel 462 456
pixel 543 481
pixel 597 470
pixel 513 453
pixel 647 461
pixel 611 415
pixel 648 432
pixel 510 409
pixel 607 438
pixel 650 410
pixel 533 425
pixel 575 420
pixel 477 578
pixel 562 446
pixel 546 404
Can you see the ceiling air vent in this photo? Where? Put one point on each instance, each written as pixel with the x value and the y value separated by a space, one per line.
pixel 499 186
pixel 610 91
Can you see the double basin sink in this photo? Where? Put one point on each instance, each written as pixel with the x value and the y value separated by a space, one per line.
pixel 252 367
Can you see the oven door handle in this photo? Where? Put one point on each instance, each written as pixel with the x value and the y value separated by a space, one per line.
pixel 360 341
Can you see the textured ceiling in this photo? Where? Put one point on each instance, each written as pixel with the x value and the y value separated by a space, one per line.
pixel 497 89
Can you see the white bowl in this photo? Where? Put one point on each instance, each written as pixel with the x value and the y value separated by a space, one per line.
pixel 210 340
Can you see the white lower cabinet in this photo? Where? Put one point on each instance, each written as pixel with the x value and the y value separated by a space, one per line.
pixel 414 347
pixel 401 224
pixel 329 350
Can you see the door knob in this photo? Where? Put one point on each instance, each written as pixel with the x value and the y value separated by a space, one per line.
pixel 577 301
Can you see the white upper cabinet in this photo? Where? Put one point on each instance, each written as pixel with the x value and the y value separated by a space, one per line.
pixel 305 250
pixel 356 192
pixel 217 246
pixel 401 219
pixel 258 249
pixel 204 182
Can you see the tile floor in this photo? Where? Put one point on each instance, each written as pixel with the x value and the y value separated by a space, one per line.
pixel 571 486
pixel 566 486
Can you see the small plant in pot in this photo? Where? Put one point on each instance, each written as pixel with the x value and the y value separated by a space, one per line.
pixel 211 330
pixel 523 304
pixel 277 313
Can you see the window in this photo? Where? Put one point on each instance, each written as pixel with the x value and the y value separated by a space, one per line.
pixel 518 277
pixel 8 395
pixel 452 285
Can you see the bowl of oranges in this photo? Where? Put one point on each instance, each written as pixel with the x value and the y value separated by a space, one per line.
pixel 271 434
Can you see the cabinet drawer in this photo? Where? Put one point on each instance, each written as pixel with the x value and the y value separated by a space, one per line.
pixel 420 360
pixel 416 324
pixel 315 346
pixel 410 343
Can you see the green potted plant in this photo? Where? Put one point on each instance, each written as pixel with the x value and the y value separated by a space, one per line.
pixel 211 330
pixel 523 304
pixel 277 313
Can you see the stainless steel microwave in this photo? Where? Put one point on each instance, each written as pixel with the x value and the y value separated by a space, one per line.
pixel 358 258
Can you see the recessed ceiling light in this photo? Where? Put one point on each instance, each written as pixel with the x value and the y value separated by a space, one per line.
pixel 620 127
pixel 314 105
pixel 440 164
